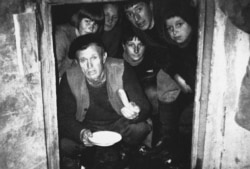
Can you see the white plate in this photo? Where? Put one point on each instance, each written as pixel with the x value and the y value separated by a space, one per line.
pixel 105 138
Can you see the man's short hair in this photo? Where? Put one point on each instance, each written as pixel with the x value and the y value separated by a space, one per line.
pixel 130 3
pixel 83 42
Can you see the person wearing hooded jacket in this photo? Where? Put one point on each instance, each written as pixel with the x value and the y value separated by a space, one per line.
pixel 179 25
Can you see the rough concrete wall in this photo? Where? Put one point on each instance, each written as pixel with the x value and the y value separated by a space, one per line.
pixel 226 144
pixel 22 139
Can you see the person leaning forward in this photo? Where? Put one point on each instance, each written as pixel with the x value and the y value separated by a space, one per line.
pixel 88 98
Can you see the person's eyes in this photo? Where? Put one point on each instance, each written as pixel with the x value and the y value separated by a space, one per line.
pixel 88 21
pixel 94 57
pixel 140 45
pixel 115 17
pixel 129 14
pixel 130 44
pixel 139 9
pixel 178 25
pixel 82 60
pixel 170 29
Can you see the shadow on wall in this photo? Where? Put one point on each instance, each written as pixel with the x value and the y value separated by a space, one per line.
pixel 238 12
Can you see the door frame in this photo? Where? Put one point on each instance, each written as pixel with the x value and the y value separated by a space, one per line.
pixel 48 69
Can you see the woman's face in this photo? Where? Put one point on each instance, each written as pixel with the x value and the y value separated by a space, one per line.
pixel 134 49
pixel 87 26
pixel 111 16
pixel 178 29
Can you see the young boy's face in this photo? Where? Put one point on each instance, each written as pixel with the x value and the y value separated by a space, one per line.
pixel 134 49
pixel 111 16
pixel 140 15
pixel 178 29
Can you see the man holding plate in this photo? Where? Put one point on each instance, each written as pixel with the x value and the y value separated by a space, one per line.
pixel 99 94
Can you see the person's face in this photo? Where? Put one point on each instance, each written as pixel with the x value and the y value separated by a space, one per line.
pixel 111 16
pixel 134 49
pixel 92 61
pixel 178 29
pixel 87 26
pixel 140 15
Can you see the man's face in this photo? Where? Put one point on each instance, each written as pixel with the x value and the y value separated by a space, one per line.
pixel 134 49
pixel 178 29
pixel 91 61
pixel 140 15
pixel 87 26
pixel 111 16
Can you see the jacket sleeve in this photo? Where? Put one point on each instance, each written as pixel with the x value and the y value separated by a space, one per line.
pixel 135 93
pixel 68 125
pixel 62 43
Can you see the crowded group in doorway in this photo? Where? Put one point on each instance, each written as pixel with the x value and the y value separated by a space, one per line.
pixel 127 69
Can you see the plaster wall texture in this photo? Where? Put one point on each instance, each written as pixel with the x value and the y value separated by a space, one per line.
pixel 226 144
pixel 22 137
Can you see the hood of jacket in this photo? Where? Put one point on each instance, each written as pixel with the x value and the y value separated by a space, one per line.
pixel 181 9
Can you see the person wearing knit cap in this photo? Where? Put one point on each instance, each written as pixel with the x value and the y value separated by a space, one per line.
pixel 90 100
pixel 179 25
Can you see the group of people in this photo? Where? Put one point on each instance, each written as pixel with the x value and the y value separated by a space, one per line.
pixel 145 48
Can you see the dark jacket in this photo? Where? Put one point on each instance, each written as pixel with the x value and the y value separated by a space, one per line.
pixel 183 58
pixel 64 35
pixel 112 42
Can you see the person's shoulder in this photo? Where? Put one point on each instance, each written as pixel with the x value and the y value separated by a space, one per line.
pixel 73 69
pixel 114 61
pixel 65 28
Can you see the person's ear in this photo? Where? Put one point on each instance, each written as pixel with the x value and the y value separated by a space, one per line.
pixel 104 57
pixel 123 46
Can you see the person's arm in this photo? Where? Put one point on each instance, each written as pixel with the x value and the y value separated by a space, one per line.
pixel 68 125
pixel 135 93
pixel 62 42
pixel 182 84
pixel 163 59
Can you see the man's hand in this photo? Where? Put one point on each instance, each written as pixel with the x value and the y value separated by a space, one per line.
pixel 84 136
pixel 130 109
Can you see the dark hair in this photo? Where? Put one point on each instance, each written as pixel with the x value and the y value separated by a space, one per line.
pixel 130 3
pixel 84 41
pixel 91 11
pixel 128 35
